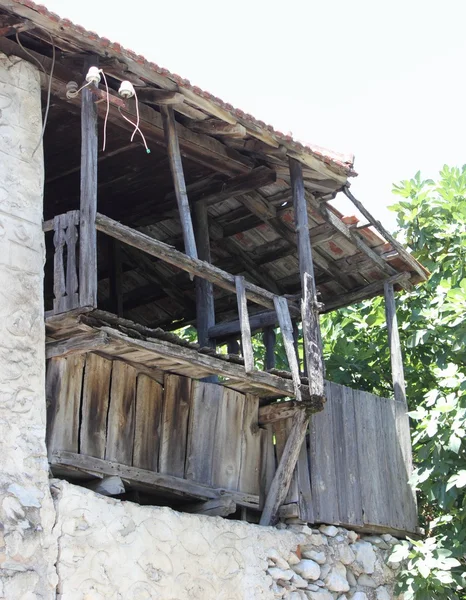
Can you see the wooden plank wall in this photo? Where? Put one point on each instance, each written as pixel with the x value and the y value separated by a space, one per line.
pixel 354 466
pixel 190 429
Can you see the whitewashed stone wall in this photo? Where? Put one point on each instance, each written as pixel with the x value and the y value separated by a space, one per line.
pixel 110 550
pixel 27 553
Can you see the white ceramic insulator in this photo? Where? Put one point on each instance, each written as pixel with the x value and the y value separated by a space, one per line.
pixel 126 89
pixel 71 89
pixel 93 75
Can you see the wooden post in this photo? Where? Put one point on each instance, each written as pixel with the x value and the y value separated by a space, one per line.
pixel 205 308
pixel 176 166
pixel 115 277
pixel 269 343
pixel 313 352
pixel 88 202
pixel 246 343
pixel 396 356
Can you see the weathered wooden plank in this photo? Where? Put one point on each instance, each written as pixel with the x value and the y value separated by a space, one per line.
pixel 157 481
pixel 150 95
pixel 276 411
pixel 281 430
pixel 176 167
pixel 269 338
pixel 268 462
pixel 322 464
pixel 286 327
pixel 303 484
pixel 226 463
pixel 96 395
pixel 177 404
pixel 405 467
pixel 404 254
pixel 178 259
pixel 149 399
pixel 246 343
pixel 59 283
pixel 214 127
pixel 120 427
pixel 372 481
pixel 396 356
pixel 77 344
pixel 219 507
pixel 345 443
pixel 63 392
pixel 88 202
pixel 206 398
pixel 251 440
pixel 257 321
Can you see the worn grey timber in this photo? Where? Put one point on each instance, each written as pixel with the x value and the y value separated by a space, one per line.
pixel 396 356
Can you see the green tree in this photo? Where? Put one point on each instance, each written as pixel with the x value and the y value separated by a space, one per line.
pixel 432 319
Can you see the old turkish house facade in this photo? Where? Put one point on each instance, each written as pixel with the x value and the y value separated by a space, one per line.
pixel 223 225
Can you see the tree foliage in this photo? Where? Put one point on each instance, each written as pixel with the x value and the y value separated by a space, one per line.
pixel 432 222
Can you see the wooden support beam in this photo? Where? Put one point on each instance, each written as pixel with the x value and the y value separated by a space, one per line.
pixel 219 507
pixel 150 95
pixel 396 356
pixel 284 473
pixel 246 343
pixel 404 254
pixel 78 344
pixel 176 167
pixel 88 202
pixel 215 127
pixel 195 266
pixel 368 291
pixel 257 321
pixel 312 338
pixel 277 411
pixel 205 307
pixel 115 276
pixel 134 475
pixel 269 339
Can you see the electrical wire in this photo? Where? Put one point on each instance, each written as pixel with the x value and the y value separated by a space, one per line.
pixel 34 58
pixel 136 129
pixel 137 115
pixel 49 90
pixel 106 114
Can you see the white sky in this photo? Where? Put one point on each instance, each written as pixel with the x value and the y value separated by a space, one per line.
pixel 385 81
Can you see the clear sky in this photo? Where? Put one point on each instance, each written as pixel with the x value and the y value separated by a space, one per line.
pixel 385 81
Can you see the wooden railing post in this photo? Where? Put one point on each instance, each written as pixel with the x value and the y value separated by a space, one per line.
pixel 246 342
pixel 396 356
pixel 88 202
pixel 205 308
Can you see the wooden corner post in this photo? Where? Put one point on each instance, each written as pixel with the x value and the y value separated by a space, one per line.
pixel 396 356
pixel 313 353
pixel 88 202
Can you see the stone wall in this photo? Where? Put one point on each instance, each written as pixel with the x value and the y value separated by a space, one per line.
pixel 27 553
pixel 113 549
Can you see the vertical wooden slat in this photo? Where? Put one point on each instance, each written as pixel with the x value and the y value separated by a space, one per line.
pixel 268 462
pixel 88 202
pixel 405 468
pixel 149 399
pixel 176 408
pixel 269 343
pixel 226 464
pixel 246 343
pixel 281 430
pixel 63 392
pixel 59 283
pixel 396 356
pixel 176 166
pixel 322 463
pixel 205 308
pixel 71 236
pixel 251 440
pixel 303 479
pixel 286 327
pixel 96 395
pixel 120 427
pixel 202 426
pixel 312 338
